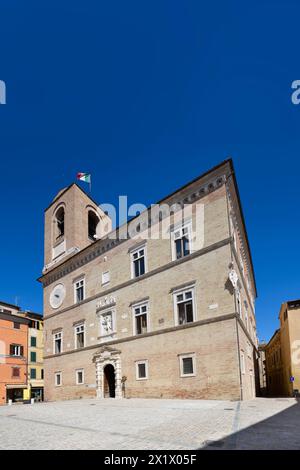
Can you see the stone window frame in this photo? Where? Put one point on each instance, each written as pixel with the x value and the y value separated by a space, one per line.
pixel 56 375
pixel 76 326
pixel 76 376
pixel 183 290
pixel 132 253
pixel 134 307
pixel 239 302
pixel 246 316
pixel 75 282
pixel 243 362
pixel 187 356
pixel 54 334
pixel 180 227
pixel 137 363
pixel 104 283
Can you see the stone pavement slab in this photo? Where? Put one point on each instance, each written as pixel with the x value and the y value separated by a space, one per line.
pixel 263 423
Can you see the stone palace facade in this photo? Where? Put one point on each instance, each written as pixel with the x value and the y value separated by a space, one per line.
pixel 170 315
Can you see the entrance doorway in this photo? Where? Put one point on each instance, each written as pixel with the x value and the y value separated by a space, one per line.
pixel 109 381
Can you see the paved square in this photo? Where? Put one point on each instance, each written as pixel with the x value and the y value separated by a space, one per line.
pixel 263 423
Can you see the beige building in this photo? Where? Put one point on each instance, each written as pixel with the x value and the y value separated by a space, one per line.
pixel 170 314
pixel 35 356
pixel 283 353
pixel 21 354
pixel 262 369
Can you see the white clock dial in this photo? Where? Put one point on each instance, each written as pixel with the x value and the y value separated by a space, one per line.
pixel 57 296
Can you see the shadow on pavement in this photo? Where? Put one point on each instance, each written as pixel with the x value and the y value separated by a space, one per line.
pixel 279 432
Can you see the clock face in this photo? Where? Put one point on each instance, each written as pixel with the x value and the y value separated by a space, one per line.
pixel 57 296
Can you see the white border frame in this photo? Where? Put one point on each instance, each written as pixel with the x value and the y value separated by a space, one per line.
pixel 133 307
pixel 243 362
pixel 187 356
pixel 84 336
pixel 76 376
pixel 107 282
pixel 182 291
pixel 132 252
pixel 180 226
pixel 82 278
pixel 62 337
pixel 55 380
pixel 144 361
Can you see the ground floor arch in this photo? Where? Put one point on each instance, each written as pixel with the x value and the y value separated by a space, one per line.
pixel 108 373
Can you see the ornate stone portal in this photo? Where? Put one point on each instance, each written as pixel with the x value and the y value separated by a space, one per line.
pixel 102 358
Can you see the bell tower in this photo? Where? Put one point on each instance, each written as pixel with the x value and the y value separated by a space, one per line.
pixel 72 222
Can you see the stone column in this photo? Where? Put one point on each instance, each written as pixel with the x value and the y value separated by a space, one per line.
pixel 118 378
pixel 99 379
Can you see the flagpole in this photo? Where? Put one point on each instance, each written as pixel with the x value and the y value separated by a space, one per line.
pixel 90 183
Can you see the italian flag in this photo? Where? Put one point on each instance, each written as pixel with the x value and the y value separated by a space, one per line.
pixel 86 177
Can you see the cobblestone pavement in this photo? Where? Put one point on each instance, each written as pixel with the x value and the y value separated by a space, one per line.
pixel 272 423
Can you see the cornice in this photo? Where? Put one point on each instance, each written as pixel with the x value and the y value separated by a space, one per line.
pixel 239 224
pixel 170 265
pixel 102 246
pixel 207 321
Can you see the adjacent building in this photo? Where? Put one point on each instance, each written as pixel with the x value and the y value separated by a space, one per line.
pixel 35 356
pixel 262 369
pixel 283 353
pixel 161 307
pixel 21 354
pixel 13 353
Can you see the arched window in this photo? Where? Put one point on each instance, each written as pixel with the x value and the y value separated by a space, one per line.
pixel 93 221
pixel 59 223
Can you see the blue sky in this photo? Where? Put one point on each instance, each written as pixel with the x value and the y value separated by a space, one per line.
pixel 146 96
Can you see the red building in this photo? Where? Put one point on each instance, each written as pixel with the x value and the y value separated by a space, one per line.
pixel 13 353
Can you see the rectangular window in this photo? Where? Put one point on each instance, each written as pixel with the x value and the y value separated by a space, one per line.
pixel 140 319
pixel 246 318
pixel 58 379
pixel 33 341
pixel 79 336
pixel 42 374
pixel 34 324
pixel 79 377
pixel 184 307
pixel 15 372
pixel 79 287
pixel 239 303
pixel 181 244
pixel 141 370
pixel 16 325
pixel 243 368
pixel 138 262
pixel 33 356
pixel 57 343
pixel 33 373
pixel 187 365
pixel 16 350
pixel 105 277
